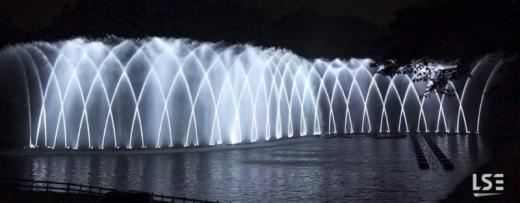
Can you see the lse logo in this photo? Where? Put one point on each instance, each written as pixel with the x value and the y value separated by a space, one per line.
pixel 484 186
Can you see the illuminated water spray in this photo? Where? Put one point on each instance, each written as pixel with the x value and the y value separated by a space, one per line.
pixel 172 92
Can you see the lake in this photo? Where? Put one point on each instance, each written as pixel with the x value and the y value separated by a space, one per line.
pixel 301 169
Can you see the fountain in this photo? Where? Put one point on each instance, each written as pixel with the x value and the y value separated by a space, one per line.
pixel 162 92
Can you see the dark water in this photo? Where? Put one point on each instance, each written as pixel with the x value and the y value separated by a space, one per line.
pixel 306 169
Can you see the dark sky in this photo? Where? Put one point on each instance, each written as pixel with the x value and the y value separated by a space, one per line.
pixel 30 15
pixel 380 12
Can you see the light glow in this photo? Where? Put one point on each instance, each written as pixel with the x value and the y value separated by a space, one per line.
pixel 161 92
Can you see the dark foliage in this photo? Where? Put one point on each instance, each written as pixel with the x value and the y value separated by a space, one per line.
pixel 456 32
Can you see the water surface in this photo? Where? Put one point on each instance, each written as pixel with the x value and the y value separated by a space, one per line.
pixel 312 170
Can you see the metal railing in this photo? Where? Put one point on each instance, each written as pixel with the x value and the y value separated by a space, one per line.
pixel 72 188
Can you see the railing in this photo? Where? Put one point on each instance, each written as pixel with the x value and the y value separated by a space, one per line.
pixel 72 188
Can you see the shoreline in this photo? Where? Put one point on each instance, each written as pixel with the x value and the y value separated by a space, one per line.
pixel 167 150
pixel 53 152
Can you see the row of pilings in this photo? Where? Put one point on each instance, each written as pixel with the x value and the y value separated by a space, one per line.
pixel 437 152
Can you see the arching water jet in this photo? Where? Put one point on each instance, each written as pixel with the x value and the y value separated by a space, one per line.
pixel 162 92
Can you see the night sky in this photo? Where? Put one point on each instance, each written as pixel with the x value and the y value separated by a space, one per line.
pixel 30 15
pixel 394 33
pixel 445 30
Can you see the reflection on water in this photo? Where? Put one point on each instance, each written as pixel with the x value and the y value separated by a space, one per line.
pixel 316 170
